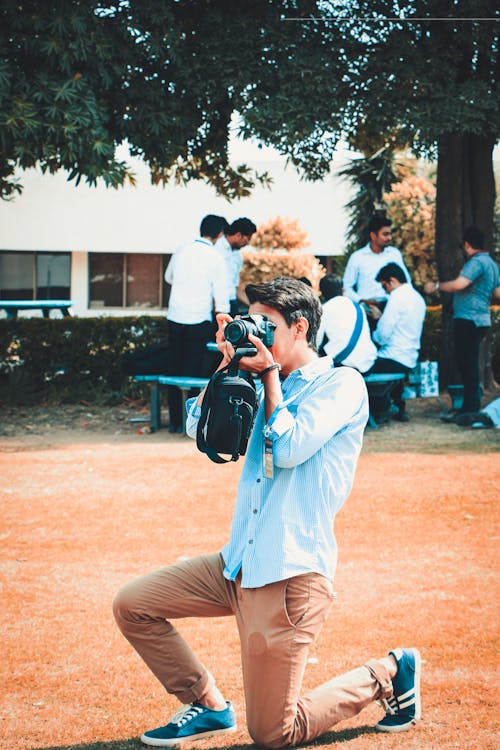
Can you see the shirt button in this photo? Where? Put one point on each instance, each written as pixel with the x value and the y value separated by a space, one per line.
pixel 255 510
pixel 250 541
pixel 258 480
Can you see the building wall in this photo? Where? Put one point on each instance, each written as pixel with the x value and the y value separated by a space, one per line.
pixel 53 215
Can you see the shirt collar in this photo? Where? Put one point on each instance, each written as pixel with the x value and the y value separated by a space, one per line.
pixel 203 241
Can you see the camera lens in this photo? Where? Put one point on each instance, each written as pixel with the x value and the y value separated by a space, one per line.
pixel 236 331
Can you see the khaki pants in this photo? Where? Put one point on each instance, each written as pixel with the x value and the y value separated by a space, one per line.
pixel 276 623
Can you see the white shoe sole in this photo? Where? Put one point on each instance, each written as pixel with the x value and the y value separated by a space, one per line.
pixel 177 742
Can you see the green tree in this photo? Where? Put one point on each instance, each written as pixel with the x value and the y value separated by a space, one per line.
pixel 371 177
pixel 78 78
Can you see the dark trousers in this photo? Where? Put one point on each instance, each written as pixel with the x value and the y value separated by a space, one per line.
pixel 188 356
pixel 380 405
pixel 468 338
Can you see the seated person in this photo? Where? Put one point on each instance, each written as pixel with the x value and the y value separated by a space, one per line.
pixel 337 326
pixel 398 334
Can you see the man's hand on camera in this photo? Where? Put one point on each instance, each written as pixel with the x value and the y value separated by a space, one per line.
pixel 225 348
pixel 259 361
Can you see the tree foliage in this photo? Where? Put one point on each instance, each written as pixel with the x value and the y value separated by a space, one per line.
pixel 280 234
pixel 411 206
pixel 371 177
pixel 79 77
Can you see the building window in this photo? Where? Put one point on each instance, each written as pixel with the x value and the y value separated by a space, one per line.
pixel 35 276
pixel 127 280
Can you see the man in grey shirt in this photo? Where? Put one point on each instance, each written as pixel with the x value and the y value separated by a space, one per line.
pixel 473 289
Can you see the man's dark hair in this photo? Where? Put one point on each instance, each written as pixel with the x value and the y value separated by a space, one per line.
pixel 243 225
pixel 377 222
pixel 330 286
pixel 212 225
pixel 292 298
pixel 391 271
pixel 475 237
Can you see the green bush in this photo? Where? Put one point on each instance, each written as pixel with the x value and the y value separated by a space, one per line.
pixel 70 360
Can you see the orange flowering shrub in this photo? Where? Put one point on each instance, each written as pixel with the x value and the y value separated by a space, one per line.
pixel 280 234
pixel 411 206
pixel 261 266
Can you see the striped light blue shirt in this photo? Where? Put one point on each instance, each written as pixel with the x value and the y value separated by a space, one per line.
pixel 283 527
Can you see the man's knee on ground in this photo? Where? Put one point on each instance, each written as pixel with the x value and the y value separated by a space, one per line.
pixel 270 738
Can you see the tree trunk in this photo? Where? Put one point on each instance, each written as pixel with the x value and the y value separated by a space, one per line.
pixel 465 197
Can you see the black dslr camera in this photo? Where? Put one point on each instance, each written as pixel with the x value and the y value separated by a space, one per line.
pixel 238 330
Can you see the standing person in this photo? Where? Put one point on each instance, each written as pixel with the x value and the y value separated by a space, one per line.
pixel 398 334
pixel 197 276
pixel 275 574
pixel 338 327
pixel 472 291
pixel 236 236
pixel 360 283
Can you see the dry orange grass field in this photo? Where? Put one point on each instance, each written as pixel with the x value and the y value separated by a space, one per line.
pixel 417 566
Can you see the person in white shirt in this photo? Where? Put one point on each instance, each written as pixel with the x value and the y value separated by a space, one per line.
pixel 398 334
pixel 337 326
pixel 360 282
pixel 197 276
pixel 236 236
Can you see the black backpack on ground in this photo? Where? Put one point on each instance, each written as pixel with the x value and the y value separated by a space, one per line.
pixel 228 412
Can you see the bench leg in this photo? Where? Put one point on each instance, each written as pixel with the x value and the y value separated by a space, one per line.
pixel 155 408
pixel 184 394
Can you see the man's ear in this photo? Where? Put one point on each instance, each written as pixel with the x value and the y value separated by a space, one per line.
pixel 302 327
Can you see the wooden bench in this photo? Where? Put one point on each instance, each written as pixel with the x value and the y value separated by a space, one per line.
pixel 156 382
pixel 380 385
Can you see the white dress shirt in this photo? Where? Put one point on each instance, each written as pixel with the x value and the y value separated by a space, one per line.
pixel 283 526
pixel 234 263
pixel 338 321
pixel 362 268
pixel 399 330
pixel 198 277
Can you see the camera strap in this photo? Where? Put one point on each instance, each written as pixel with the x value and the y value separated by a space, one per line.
pixel 339 358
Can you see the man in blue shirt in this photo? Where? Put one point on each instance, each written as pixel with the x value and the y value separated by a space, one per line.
pixel 473 289
pixel 275 574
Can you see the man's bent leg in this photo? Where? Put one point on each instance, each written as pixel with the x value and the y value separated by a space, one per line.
pixel 277 624
pixel 342 698
pixel 144 607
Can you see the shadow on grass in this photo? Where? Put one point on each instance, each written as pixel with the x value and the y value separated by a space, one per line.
pixel 327 738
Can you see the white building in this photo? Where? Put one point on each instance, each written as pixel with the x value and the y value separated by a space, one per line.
pixel 107 249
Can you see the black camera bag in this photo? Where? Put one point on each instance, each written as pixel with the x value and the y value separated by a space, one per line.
pixel 228 412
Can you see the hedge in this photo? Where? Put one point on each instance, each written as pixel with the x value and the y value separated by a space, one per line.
pixel 70 360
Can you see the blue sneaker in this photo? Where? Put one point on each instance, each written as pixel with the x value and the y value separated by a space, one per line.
pixel 403 708
pixel 192 722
